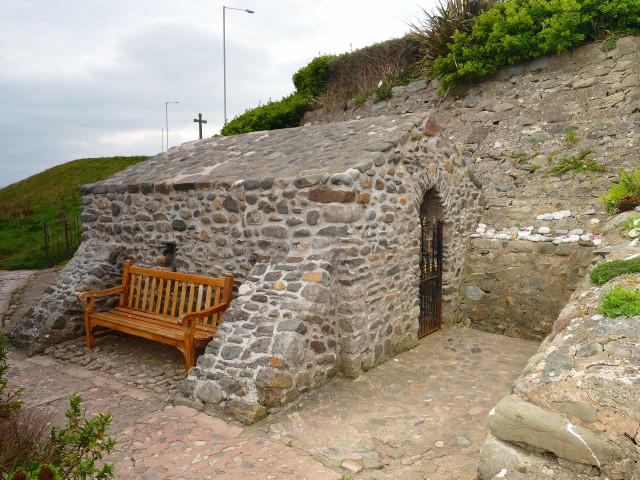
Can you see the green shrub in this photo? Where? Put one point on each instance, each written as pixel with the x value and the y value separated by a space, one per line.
pixel 310 80
pixel 28 452
pixel 625 194
pixel 608 270
pixel 436 32
pixel 283 114
pixel 621 301
pixel 381 93
pixel 516 30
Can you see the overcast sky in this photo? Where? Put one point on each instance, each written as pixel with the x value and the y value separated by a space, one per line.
pixel 83 78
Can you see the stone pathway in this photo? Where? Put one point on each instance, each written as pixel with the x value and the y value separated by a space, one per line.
pixel 422 415
pixel 11 284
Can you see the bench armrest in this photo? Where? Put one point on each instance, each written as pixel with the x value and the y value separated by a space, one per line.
pixel 85 296
pixel 207 312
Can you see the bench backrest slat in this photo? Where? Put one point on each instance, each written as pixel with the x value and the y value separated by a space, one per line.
pixel 144 296
pixel 174 300
pixel 160 295
pixel 192 289
pixel 172 294
pixel 152 293
pixel 183 294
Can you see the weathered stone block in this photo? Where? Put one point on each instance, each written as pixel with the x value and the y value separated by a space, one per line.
pixel 275 231
pixel 209 392
pixel 292 326
pixel 516 420
pixel 342 213
pixel 329 195
pixel 247 413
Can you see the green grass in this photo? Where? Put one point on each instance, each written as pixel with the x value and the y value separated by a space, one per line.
pixel 50 195
pixel 621 301
pixel 577 163
pixel 608 270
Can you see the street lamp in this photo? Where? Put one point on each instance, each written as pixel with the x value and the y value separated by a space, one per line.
pixel 224 54
pixel 166 115
pixel 162 140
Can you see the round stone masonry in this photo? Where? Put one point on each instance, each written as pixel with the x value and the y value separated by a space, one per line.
pixel 320 226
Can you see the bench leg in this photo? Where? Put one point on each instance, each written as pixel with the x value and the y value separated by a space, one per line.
pixel 189 356
pixel 89 339
pixel 88 331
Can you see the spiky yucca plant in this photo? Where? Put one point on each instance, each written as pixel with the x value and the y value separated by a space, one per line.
pixel 435 32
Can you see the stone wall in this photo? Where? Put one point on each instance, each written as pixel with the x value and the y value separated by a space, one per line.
pixel 512 129
pixel 573 413
pixel 326 256
pixel 509 285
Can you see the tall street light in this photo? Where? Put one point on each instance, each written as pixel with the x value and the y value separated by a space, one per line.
pixel 166 116
pixel 224 54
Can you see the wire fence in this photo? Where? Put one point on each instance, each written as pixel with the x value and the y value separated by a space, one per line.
pixel 61 239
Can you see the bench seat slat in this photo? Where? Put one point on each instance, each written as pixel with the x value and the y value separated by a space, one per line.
pixel 166 335
pixel 153 317
pixel 114 320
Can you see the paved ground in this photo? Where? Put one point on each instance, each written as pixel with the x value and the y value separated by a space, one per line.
pixel 419 416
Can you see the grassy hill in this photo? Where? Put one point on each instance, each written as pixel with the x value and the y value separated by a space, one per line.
pixel 50 195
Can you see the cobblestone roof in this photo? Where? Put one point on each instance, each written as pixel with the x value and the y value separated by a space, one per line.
pixel 278 153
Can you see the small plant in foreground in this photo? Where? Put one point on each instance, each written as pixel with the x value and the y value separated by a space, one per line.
pixel 621 301
pixel 625 194
pixel 28 451
pixel 570 135
pixel 577 163
pixel 608 270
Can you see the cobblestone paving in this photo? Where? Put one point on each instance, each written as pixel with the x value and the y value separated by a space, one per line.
pixel 422 415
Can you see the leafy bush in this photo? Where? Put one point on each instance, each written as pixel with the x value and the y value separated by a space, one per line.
pixel 310 80
pixel 27 451
pixel 608 270
pixel 621 301
pixel 625 194
pixel 436 32
pixel 382 92
pixel 516 30
pixel 328 79
pixel 283 114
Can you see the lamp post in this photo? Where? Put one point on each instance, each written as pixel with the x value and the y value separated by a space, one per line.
pixel 162 150
pixel 166 116
pixel 224 53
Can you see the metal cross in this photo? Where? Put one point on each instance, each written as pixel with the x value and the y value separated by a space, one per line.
pixel 200 121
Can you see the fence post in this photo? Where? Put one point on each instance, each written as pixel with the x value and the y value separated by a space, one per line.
pixel 66 237
pixel 46 245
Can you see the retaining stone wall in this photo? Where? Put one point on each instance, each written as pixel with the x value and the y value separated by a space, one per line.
pixel 573 413
pixel 511 129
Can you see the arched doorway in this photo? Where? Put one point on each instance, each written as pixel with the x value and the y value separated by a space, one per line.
pixel 431 254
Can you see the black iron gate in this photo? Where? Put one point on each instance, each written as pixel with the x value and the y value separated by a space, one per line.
pixel 61 240
pixel 430 277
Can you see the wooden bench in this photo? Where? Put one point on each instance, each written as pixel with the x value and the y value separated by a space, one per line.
pixel 178 309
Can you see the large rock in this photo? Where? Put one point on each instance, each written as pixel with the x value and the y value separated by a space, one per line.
pixel 516 420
